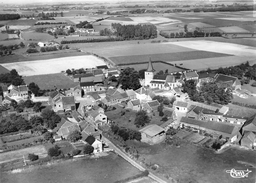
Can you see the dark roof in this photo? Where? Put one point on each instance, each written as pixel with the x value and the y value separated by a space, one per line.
pixel 226 84
pixel 94 95
pixel 54 94
pixel 160 77
pixel 212 125
pixel 250 124
pixel 97 72
pixel 90 83
pixel 150 67
pixel 102 67
pixel 157 82
pixel 224 78
pixel 205 75
pixel 68 100
pixel 135 102
pixel 237 117
pixel 90 139
pixel 83 75
pixel 170 79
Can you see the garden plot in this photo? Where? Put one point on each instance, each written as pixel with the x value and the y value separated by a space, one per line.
pixel 56 65
pixel 218 47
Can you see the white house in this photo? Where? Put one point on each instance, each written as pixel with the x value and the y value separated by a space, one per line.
pixel 181 106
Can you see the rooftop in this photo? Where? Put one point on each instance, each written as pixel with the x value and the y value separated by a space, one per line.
pixel 160 77
pixel 224 78
pixel 153 103
pixel 135 102
pixel 68 100
pixel 152 130
pixel 181 104
pixel 191 74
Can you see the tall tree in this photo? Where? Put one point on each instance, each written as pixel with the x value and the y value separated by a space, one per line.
pixel 129 79
pixel 34 88
pixel 141 118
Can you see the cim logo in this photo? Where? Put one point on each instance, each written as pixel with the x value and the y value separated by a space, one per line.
pixel 237 174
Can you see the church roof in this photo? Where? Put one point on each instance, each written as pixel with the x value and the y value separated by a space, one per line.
pixel 150 67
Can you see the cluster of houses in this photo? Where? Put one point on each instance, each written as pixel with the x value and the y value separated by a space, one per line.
pixel 82 103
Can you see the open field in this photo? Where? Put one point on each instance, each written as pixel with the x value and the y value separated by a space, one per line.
pixel 250 100
pixel 213 63
pixel 106 169
pixel 168 57
pixel 190 163
pixel 8 156
pixel 3 70
pixel 36 36
pixel 50 81
pixel 218 47
pixel 55 65
pixel 235 110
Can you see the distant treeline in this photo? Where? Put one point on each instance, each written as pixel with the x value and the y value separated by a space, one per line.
pixel 189 34
pixel 135 31
pixel 92 40
pixel 9 16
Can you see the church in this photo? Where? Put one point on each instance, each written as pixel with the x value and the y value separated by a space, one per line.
pixel 164 82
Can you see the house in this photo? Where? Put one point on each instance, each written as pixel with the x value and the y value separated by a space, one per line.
pixel 112 72
pixel 98 72
pixel 77 92
pixel 150 106
pixel 93 95
pixel 17 92
pixel 134 105
pixel 55 96
pixel 64 104
pixel 190 75
pixel 89 129
pixel 229 82
pixel 67 128
pixel 48 44
pixel 180 106
pixel 131 94
pixel 87 86
pixel 144 94
pixel 75 117
pixel 152 134
pixel 248 140
pixel 215 128
pixel 97 117
pixel 85 104
pixel 205 77
pixel 95 143
pixel 113 96
pixel 83 77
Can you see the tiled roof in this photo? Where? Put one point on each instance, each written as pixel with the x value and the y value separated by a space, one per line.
pixel 97 71
pixel 224 78
pixel 98 79
pixel 153 103
pixel 87 79
pixel 130 92
pixel 170 79
pixel 160 77
pixel 54 94
pixel 22 88
pixel 112 69
pixel 152 130
pixel 205 75
pixel 141 90
pixel 212 125
pixel 181 104
pixel 94 95
pixel 135 102
pixel 150 66
pixel 83 75
pixel 90 83
pixel 191 74
pixel 68 100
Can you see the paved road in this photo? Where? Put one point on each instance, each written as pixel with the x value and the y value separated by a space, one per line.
pixel 130 160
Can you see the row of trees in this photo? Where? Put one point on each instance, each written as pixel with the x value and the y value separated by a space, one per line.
pixel 125 133
pixel 91 40
pixel 49 23
pixel 84 24
pixel 135 31
pixel 196 33
pixel 9 16
pixel 208 92
pixel 48 120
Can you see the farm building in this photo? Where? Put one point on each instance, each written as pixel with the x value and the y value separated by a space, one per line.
pixel 235 32
pixel 224 81
pixel 205 77
pixel 17 92
pixel 152 134
pixel 215 128
pixel 200 26
pixel 190 75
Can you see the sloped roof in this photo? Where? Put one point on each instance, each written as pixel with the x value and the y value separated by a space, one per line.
pixel 97 71
pixel 8 98
pixel 224 78
pixel 157 82
pixel 93 113
pixel 191 74
pixel 181 104
pixel 83 75
pixel 90 83
pixel 68 100
pixel 152 130
pixel 22 88
pixel 150 66
pixel 87 79
pixel 94 95
pixel 135 102
pixel 98 79
pixel 203 75
pixel 113 69
pixel 111 91
pixel 130 92
pixel 90 139
pixel 212 125
pixel 160 77
pixel 250 124
pixel 54 94
pixel 102 67
pixel 141 90
pixel 153 103
pixel 76 115
pixel 170 79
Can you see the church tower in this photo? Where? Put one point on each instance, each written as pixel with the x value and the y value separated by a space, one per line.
pixel 149 73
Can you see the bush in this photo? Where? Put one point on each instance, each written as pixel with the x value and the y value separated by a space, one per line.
pixel 88 149
pixel 253 84
pixel 33 157
pixel 75 152
pixel 91 40
pixel 54 151
pixel 32 50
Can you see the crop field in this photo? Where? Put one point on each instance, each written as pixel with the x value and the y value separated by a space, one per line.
pixel 165 57
pixel 8 156
pixel 36 36
pixel 55 65
pixel 218 47
pixel 50 81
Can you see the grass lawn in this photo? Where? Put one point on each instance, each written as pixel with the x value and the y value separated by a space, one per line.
pixel 123 121
pixel 190 163
pixel 36 36
pixel 3 70
pixel 21 22
pixel 250 100
pixel 166 57
pixel 249 87
pixel 106 169
pixel 50 81
pixel 235 110
pixel 12 155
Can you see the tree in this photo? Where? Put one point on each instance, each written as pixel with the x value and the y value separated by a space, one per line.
pixel 34 88
pixel 54 151
pixel 160 109
pixel 88 149
pixel 129 79
pixel 29 104
pixel 1 53
pixel 74 136
pixel 75 152
pixel 37 106
pixel 50 118
pixel 69 72
pixel 141 118
pixel 36 121
pixel 48 136
pixel 13 103
pixel 142 73
pixel 33 157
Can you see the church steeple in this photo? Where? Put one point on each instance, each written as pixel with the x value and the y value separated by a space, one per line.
pixel 150 66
